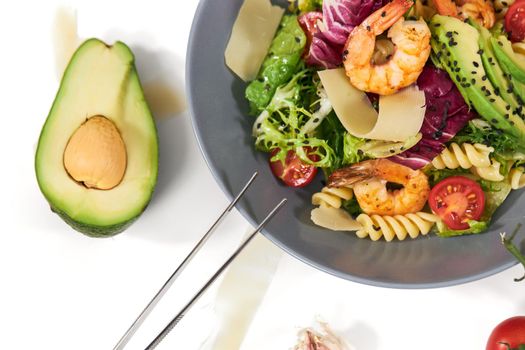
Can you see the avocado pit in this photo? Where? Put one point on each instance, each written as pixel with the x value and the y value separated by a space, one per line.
pixel 95 155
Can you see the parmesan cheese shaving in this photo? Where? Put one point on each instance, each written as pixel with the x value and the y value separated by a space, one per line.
pixel 400 115
pixel 335 219
pixel 251 37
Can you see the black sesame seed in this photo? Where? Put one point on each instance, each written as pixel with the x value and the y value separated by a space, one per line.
pixel 383 14
pixel 368 28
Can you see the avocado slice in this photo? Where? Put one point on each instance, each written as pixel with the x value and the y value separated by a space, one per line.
pixel 455 44
pixel 506 56
pixel 97 156
pixel 497 75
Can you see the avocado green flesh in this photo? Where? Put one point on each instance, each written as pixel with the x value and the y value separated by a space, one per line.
pixel 502 56
pixel 506 56
pixel 99 80
pixel 456 45
pixel 496 74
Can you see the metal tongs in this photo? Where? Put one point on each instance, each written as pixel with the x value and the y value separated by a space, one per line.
pixel 153 302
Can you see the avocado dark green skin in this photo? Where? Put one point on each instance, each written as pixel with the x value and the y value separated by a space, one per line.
pixel 93 230
pixel 455 45
pixel 506 56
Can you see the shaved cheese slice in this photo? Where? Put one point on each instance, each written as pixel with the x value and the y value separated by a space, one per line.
pixel 335 219
pixel 251 37
pixel 400 115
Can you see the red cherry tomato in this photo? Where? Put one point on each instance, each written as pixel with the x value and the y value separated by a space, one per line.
pixel 515 21
pixel 508 335
pixel 308 23
pixel 294 172
pixel 456 200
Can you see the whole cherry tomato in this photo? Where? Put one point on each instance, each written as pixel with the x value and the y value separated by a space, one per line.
pixel 508 335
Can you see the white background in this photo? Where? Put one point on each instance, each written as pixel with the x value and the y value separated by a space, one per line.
pixel 62 290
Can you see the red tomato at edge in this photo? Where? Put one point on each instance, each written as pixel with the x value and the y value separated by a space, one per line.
pixel 294 172
pixel 511 331
pixel 515 21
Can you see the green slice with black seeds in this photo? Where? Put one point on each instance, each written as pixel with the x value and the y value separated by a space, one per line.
pixel 456 44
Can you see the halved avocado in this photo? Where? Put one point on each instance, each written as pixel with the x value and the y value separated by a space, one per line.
pixel 97 156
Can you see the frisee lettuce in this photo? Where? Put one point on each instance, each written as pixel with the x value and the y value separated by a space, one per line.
pixel 280 124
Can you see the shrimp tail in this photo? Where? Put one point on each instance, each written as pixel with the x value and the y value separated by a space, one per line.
pixel 446 7
pixel 385 17
pixel 349 176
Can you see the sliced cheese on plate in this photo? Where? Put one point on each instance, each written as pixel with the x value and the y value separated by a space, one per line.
pixel 251 37
pixel 400 115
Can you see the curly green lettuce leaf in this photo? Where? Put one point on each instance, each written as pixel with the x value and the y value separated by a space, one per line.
pixel 281 63
pixel 479 131
pixel 280 125
pixel 475 227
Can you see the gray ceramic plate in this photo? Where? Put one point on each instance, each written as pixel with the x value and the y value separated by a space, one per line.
pixel 222 127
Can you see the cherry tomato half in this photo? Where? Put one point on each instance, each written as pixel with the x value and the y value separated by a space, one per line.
pixel 515 21
pixel 294 172
pixel 456 200
pixel 508 335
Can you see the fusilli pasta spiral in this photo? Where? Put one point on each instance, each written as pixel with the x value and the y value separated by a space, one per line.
pixel 470 156
pixel 332 196
pixel 389 227
pixel 517 178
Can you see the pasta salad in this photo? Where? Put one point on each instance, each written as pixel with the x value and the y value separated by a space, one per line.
pixel 411 112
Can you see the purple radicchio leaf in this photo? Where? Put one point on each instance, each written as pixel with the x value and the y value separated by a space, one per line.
pixel 339 18
pixel 446 114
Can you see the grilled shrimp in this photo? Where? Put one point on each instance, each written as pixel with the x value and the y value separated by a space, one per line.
pixel 482 11
pixel 369 180
pixel 411 41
